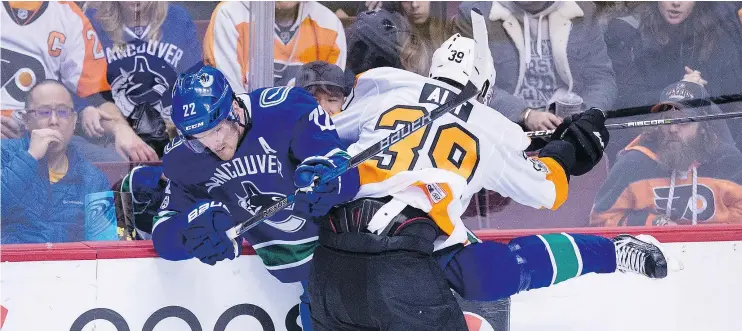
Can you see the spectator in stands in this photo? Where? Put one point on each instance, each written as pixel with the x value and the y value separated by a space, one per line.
pixel 664 41
pixel 54 40
pixel 44 179
pixel 675 174
pixel 651 49
pixel 147 44
pixel 305 31
pixel 419 28
pixel 541 50
pixel 327 83
pixel 385 39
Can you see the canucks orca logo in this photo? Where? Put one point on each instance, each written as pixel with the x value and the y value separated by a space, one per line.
pixel 255 200
pixel 684 203
pixel 140 85
pixel 206 80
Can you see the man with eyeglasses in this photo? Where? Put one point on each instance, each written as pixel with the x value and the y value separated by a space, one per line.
pixel 44 178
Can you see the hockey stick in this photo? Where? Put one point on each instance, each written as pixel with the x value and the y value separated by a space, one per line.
pixel 646 123
pixel 644 110
pixel 470 91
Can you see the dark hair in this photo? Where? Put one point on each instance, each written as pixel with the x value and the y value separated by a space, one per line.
pixel 29 96
pixel 328 89
pixel 699 27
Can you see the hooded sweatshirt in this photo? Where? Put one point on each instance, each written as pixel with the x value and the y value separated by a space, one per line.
pixel 579 60
pixel 640 191
pixel 540 79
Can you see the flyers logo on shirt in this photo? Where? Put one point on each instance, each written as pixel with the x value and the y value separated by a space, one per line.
pixel 684 204
pixel 19 72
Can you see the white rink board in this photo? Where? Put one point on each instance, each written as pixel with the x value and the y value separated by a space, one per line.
pixel 705 296
pixel 52 295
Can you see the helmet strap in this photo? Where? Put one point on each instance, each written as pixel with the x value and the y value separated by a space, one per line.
pixel 246 115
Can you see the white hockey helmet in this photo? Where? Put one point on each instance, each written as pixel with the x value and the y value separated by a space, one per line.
pixel 454 60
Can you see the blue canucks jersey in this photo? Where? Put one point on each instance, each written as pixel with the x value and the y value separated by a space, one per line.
pixel 287 127
pixel 143 71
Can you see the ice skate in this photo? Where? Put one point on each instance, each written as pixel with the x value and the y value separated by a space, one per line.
pixel 641 255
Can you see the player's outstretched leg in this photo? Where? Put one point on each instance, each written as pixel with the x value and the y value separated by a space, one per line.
pixel 640 254
pixel 490 271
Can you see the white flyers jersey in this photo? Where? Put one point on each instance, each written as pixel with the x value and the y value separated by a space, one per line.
pixel 440 167
pixel 49 40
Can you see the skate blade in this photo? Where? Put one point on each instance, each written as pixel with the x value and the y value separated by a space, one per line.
pixel 674 264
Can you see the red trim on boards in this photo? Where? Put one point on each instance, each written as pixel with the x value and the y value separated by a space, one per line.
pixel 46 252
pixel 85 251
pixel 144 249
pixel 665 234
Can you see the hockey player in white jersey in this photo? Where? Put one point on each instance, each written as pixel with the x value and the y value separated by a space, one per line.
pixel 388 244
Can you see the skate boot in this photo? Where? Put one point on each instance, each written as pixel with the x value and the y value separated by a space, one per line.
pixel 641 255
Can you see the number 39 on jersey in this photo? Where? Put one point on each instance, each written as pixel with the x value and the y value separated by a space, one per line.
pixel 449 146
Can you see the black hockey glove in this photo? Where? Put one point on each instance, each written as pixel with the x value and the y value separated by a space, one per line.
pixel 587 133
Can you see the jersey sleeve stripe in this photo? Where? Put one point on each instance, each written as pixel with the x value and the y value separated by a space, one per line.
pixel 208 52
pixel 559 178
pixel 93 72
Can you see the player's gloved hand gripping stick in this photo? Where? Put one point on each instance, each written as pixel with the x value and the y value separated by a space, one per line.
pixel 470 91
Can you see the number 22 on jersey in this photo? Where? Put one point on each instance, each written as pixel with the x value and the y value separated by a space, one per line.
pixel 452 148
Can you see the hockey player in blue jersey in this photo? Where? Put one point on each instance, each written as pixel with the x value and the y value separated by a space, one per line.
pixel 234 156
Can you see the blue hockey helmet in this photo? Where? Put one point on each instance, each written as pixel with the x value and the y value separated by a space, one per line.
pixel 201 100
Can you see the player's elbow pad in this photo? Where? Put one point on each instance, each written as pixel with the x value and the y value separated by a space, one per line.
pixel 167 240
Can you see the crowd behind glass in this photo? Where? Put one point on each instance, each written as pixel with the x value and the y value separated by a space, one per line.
pixel 74 126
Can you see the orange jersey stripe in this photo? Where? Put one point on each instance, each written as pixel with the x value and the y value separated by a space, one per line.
pixel 93 77
pixel 439 212
pixel 243 48
pixel 208 54
pixel 559 178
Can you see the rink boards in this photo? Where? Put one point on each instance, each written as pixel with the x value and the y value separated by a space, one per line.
pixel 123 286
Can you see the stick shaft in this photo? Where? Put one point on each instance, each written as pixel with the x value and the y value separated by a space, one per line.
pixel 646 123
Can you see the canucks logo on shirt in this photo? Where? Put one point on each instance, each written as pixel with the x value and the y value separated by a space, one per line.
pixel 140 84
pixel 255 201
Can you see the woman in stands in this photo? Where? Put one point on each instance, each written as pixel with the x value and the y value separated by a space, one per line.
pixel 147 44
pixel 664 41
pixel 428 27
pixel 396 34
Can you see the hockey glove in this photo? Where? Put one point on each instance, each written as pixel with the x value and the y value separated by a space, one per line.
pixel 147 190
pixel 205 237
pixel 587 133
pixel 315 197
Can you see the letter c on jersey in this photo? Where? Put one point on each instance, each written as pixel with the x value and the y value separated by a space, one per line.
pixel 188 317
pixel 55 42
